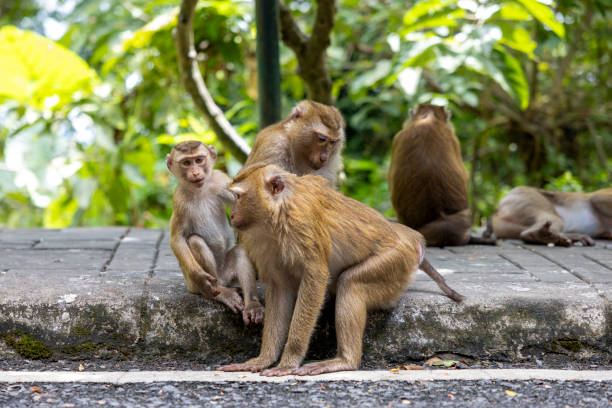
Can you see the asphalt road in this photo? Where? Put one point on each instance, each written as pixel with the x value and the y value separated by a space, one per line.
pixel 471 394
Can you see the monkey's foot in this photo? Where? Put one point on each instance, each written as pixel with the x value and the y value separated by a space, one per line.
pixel 278 371
pixel 230 298
pixel 583 239
pixel 253 365
pixel 253 313
pixel 326 366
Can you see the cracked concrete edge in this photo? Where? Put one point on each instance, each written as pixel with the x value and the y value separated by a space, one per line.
pixel 423 324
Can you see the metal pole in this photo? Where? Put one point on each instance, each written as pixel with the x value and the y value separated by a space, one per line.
pixel 268 65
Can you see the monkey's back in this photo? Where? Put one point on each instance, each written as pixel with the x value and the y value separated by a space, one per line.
pixel 426 175
pixel 272 146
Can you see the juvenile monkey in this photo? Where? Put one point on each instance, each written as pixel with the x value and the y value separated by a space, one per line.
pixel 200 235
pixel 306 239
pixel 428 182
pixel 544 217
pixel 309 141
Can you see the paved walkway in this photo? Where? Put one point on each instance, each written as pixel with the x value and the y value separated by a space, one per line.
pixel 99 291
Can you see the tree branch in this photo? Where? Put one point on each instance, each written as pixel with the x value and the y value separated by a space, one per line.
pixel 291 34
pixel 310 51
pixel 196 87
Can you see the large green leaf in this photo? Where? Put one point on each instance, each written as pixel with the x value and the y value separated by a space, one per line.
pixel 38 72
pixel 545 15
pixel 518 38
pixel 422 9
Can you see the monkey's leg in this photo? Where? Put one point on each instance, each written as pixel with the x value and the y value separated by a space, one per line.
pixel 196 278
pixel 453 229
pixel 310 298
pixel 206 259
pixel 375 283
pixel 238 267
pixel 279 306
pixel 505 229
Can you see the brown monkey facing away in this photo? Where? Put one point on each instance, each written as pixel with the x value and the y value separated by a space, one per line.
pixel 306 240
pixel 428 182
pixel 553 217
pixel 200 235
pixel 309 141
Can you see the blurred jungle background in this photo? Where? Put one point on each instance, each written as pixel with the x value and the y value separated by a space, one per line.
pixel 91 98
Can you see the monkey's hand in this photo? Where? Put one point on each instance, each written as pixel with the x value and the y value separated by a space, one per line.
pixel 206 284
pixel 253 365
pixel 253 313
pixel 230 298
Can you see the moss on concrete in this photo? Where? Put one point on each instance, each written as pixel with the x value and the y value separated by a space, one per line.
pixel 26 346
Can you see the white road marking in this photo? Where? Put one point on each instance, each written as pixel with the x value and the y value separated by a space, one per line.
pixel 123 377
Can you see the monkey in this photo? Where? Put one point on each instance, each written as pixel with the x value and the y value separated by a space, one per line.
pixel 428 182
pixel 553 217
pixel 309 141
pixel 308 240
pixel 200 235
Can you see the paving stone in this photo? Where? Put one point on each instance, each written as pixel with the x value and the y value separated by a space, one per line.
pixel 78 259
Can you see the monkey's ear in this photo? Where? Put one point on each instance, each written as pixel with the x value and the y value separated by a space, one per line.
pixel 169 162
pixel 297 112
pixel 275 184
pixel 212 151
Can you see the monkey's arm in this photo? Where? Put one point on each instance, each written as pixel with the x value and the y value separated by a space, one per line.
pixel 279 304
pixel 310 298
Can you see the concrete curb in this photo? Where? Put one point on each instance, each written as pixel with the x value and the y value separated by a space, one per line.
pixel 118 292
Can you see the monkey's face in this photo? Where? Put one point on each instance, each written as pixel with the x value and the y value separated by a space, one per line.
pixel 193 168
pixel 256 189
pixel 324 145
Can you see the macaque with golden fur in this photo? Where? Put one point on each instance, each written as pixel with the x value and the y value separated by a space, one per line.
pixel 309 141
pixel 200 234
pixel 553 217
pixel 428 182
pixel 307 240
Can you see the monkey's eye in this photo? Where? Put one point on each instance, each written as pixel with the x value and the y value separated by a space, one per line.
pixel 186 163
pixel 321 137
pixel 199 160
pixel 332 142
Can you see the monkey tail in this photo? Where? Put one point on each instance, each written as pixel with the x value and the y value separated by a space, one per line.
pixel 435 275
pixel 489 230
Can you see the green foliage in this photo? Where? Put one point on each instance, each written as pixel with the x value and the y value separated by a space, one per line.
pixel 91 99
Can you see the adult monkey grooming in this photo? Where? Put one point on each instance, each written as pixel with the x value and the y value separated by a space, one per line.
pixel 428 182
pixel 306 239
pixel 554 217
pixel 310 140
pixel 200 235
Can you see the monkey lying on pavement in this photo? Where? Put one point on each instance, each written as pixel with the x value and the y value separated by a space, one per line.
pixel 553 217
pixel 306 239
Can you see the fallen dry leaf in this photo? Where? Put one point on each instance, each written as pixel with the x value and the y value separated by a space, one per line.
pixel 394 370
pixel 405 402
pixel 81 367
pixel 242 376
pixel 451 396
pixel 36 389
pixel 510 393
pixel 412 367
pixel 431 361
pixel 322 387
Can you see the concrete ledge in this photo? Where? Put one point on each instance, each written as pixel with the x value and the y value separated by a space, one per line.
pixel 118 292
